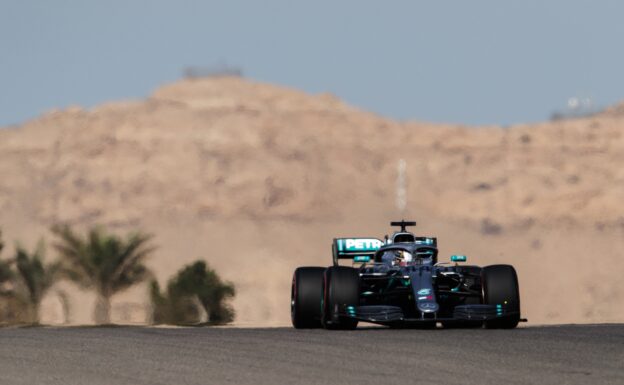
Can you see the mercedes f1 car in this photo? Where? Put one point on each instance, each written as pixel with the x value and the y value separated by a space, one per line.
pixel 399 282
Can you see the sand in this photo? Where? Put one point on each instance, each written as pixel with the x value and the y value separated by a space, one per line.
pixel 257 179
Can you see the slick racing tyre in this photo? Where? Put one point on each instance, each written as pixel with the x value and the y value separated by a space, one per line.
pixel 341 287
pixel 500 287
pixel 306 297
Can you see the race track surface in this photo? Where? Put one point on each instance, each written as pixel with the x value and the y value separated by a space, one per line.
pixel 587 354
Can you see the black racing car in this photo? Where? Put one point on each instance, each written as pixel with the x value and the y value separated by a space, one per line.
pixel 400 283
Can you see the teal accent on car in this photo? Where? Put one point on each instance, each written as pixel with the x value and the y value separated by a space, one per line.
pixel 458 258
pixel 361 258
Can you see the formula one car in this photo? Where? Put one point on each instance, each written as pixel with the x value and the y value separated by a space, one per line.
pixel 400 283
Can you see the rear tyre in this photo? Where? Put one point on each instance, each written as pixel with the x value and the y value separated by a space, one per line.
pixel 500 287
pixel 306 297
pixel 341 286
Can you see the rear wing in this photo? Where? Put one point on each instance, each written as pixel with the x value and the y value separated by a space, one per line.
pixel 356 249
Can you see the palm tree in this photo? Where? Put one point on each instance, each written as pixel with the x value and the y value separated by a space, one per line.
pixel 10 305
pixel 5 275
pixel 34 277
pixel 5 272
pixel 5 268
pixel 194 289
pixel 211 291
pixel 106 263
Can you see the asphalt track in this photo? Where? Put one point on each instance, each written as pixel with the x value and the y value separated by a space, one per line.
pixel 587 354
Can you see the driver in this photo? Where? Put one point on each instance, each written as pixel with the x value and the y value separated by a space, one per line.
pixel 403 258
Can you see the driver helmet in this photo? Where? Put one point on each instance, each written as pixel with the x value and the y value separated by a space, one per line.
pixel 404 258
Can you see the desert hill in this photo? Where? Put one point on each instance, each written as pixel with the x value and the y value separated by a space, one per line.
pixel 257 179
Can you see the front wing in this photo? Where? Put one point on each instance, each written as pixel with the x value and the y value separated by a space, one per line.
pixel 387 315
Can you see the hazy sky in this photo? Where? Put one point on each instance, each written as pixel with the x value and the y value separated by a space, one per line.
pixel 473 62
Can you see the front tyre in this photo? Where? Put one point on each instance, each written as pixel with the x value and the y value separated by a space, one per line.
pixel 306 296
pixel 500 287
pixel 341 286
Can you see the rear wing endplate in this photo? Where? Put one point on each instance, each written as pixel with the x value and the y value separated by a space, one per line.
pixel 356 249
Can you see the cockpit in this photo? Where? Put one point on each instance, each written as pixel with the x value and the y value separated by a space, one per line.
pixel 403 237
pixel 404 253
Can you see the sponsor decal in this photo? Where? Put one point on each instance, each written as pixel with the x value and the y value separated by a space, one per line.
pixel 423 297
pixel 363 244
pixel 428 307
pixel 424 292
